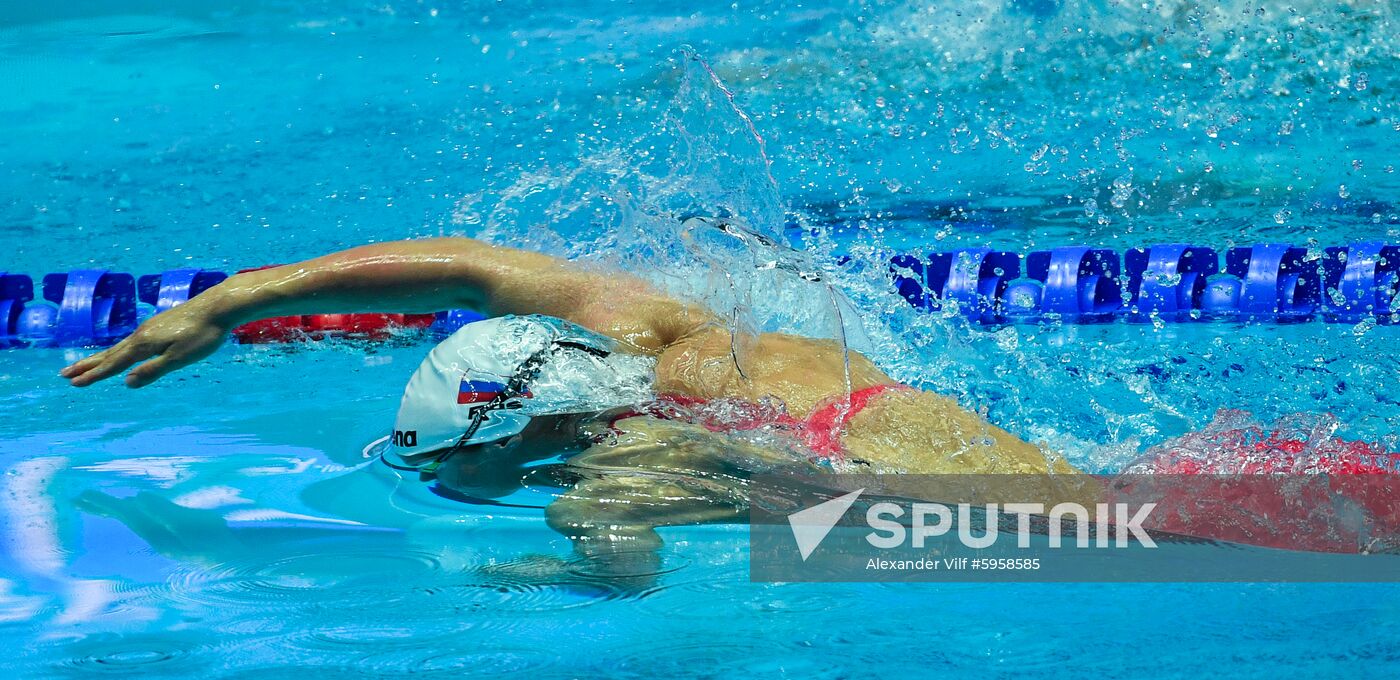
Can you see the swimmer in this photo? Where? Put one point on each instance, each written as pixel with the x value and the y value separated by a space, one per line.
pixel 506 390
pixel 859 412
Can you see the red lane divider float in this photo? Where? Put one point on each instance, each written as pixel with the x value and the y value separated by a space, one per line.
pixel 321 326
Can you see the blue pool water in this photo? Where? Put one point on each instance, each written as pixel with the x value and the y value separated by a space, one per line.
pixel 221 522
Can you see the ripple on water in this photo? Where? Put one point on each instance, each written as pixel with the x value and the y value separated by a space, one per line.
pixel 297 581
pixel 152 654
pixel 649 657
pixel 436 661
pixel 502 597
pixel 723 593
pixel 332 643
pixel 406 616
pixel 626 565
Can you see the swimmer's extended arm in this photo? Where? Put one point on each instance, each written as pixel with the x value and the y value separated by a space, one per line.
pixel 405 276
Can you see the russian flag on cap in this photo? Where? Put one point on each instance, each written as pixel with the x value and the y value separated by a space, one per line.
pixel 475 391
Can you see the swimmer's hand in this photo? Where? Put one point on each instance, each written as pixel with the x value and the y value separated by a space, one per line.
pixel 167 341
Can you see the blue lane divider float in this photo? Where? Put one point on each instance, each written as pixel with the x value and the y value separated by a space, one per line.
pixel 1369 279
pixel 1167 282
pixel 977 280
pixel 910 280
pixel 96 307
pixel 165 290
pixel 15 291
pixel 1075 282
pixel 448 321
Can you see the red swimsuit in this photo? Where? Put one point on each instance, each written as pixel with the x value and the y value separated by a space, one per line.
pixel 820 431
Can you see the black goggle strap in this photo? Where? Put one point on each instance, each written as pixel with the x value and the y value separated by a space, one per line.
pixel 517 385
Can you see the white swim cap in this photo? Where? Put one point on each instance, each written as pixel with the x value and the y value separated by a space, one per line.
pixel 484 382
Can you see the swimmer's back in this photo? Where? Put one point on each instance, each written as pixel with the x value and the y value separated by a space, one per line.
pixel 903 430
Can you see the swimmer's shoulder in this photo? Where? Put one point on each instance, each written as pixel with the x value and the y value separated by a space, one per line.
pixel 800 371
pixel 642 320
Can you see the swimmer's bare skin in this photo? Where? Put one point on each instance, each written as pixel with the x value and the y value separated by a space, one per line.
pixel 612 516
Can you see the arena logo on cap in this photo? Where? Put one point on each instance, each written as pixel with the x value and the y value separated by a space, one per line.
pixel 405 438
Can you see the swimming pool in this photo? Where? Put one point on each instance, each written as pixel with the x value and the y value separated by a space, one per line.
pixel 183 529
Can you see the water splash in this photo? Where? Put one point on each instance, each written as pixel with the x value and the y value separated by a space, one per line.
pixel 691 205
